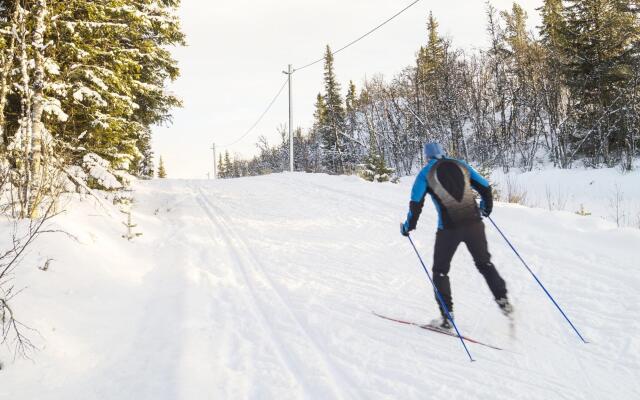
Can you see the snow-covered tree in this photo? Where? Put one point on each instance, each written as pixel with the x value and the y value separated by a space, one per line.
pixel 116 65
pixel 375 168
pixel 227 165
pixel 600 51
pixel 333 124
pixel 571 93
pixel 162 172
pixel 83 77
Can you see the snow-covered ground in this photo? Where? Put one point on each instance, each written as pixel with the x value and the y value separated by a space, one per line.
pixel 263 288
pixel 606 193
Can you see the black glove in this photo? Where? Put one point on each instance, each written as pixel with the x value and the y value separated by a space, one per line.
pixel 404 229
pixel 485 210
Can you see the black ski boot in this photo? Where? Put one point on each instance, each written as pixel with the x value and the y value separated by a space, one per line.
pixel 442 323
pixel 445 324
pixel 505 307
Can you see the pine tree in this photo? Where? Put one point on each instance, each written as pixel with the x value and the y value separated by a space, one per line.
pixel 431 56
pixel 375 168
pixel 601 35
pixel 117 66
pixel 526 76
pixel 440 96
pixel 498 93
pixel 317 132
pixel 553 30
pixel 302 153
pixel 516 29
pixel 95 72
pixel 236 169
pixel 352 147
pixel 145 159
pixel 351 105
pixel 555 100
pixel 162 172
pixel 332 130
pixel 222 173
pixel 228 166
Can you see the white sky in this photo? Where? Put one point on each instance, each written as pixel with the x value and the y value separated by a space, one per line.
pixel 237 49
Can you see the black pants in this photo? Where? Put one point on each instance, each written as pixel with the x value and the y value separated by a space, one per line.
pixel 447 241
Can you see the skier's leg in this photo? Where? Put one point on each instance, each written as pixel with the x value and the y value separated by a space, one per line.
pixel 476 242
pixel 447 242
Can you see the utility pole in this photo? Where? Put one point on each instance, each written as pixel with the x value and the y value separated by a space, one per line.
pixel 289 73
pixel 215 173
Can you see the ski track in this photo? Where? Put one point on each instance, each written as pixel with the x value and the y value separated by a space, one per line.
pixel 523 288
pixel 252 271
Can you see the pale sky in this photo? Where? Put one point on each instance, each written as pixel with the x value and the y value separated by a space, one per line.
pixel 231 68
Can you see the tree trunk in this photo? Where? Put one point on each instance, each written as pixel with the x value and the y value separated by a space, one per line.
pixel 38 99
pixel 25 135
pixel 7 61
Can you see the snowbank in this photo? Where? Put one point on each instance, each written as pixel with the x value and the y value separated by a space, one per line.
pixel 605 193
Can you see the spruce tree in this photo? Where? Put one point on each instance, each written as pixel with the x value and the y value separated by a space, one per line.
pixel 97 71
pixel 117 63
pixel 303 151
pixel 526 75
pixel 222 173
pixel 144 160
pixel 332 130
pixel 600 51
pixel 553 30
pixel 516 28
pixel 162 172
pixel 317 134
pixel 352 146
pixel 439 93
pixel 228 166
pixel 375 168
pixel 351 106
pixel 431 56
pixel 555 100
pixel 498 93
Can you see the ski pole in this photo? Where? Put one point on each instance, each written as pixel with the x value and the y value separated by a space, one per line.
pixel 537 280
pixel 440 299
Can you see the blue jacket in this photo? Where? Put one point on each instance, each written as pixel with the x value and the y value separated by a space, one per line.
pixel 449 182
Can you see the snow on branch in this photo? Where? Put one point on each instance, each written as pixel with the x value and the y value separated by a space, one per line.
pixel 98 169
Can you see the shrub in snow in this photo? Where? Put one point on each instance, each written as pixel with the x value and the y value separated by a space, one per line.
pixel 582 211
pixel 514 193
pixel 99 173
pixel 375 169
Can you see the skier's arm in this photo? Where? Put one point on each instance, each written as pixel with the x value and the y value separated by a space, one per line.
pixel 418 193
pixel 482 186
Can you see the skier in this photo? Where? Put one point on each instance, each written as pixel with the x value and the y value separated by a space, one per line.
pixel 449 182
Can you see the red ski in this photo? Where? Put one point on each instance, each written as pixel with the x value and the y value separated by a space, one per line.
pixel 437 330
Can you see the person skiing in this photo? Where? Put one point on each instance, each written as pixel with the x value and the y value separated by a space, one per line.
pixel 449 182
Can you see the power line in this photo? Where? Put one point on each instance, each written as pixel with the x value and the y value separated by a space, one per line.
pixel 360 38
pixel 313 63
pixel 261 115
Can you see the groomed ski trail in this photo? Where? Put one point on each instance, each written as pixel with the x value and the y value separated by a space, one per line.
pixel 314 372
pixel 263 287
